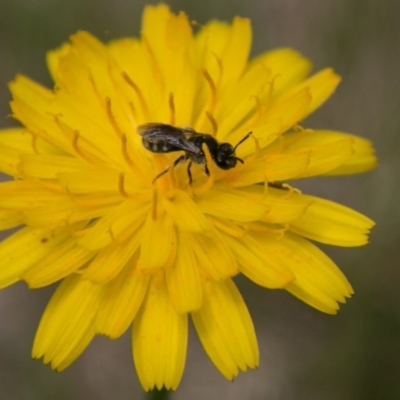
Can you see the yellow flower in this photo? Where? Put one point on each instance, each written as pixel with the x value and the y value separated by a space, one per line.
pixel 130 251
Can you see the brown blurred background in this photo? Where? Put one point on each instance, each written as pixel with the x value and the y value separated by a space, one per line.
pixel 305 355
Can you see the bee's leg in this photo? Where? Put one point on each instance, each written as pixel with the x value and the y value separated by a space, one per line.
pixel 177 161
pixel 160 175
pixel 189 172
pixel 206 170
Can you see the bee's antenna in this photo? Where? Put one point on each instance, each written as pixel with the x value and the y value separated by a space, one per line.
pixel 239 159
pixel 245 138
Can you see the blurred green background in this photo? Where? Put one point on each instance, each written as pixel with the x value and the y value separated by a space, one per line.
pixel 305 355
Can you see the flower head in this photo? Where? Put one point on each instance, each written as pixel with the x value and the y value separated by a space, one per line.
pixel 134 239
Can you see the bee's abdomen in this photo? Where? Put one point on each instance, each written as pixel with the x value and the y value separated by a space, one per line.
pixel 158 146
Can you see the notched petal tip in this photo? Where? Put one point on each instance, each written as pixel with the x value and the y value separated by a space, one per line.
pixel 53 58
pixel 226 330
pixel 159 339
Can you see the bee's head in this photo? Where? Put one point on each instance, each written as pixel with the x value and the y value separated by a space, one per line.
pixel 225 157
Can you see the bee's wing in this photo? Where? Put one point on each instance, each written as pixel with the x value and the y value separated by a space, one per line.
pixel 183 144
pixel 154 129
pixel 156 133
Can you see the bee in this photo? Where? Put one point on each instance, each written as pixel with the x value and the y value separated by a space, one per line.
pixel 163 138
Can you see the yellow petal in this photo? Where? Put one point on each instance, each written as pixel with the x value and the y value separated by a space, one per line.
pixel 176 62
pixel 185 212
pixel 285 166
pixel 25 248
pixel 81 81
pixel 120 303
pixel 214 257
pixel 53 59
pixel 32 94
pixel 91 58
pixel 285 113
pixel 106 229
pixel 159 340
pixel 158 243
pixel 258 264
pixel 210 43
pixel 63 361
pixel 238 99
pixel 49 166
pixel 91 180
pixel 271 167
pixel 67 325
pixel 168 39
pixel 13 143
pixel 229 204
pixel 284 207
pixel 110 261
pixel 225 329
pixel 32 106
pixel 140 92
pixel 235 54
pixel 318 281
pixel 154 22
pixel 321 86
pixel 265 77
pixel 327 157
pixel 9 219
pixel 362 158
pixel 61 261
pixel 331 223
pixel 24 194
pixel 17 141
pixel 287 67
pixel 227 44
pixel 64 210
pixel 183 278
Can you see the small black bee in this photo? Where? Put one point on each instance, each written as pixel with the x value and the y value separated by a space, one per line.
pixel 163 138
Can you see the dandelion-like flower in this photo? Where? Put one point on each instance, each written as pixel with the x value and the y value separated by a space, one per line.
pixel 132 250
